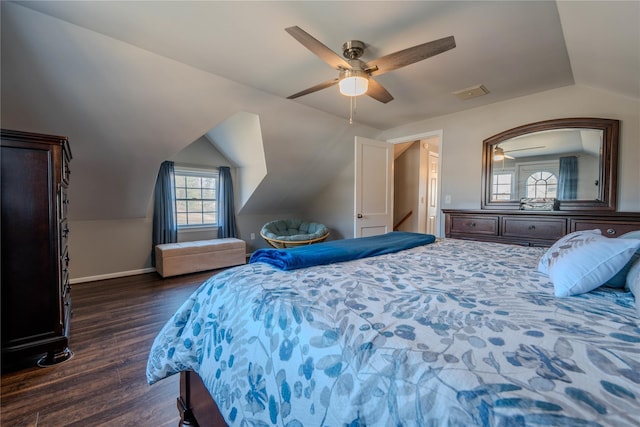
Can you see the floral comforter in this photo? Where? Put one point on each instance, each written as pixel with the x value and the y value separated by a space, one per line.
pixel 453 333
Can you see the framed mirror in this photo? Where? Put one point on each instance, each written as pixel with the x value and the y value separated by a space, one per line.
pixel 573 160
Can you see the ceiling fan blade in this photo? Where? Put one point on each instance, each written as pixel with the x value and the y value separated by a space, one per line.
pixel 524 149
pixel 323 52
pixel 315 88
pixel 410 55
pixel 378 92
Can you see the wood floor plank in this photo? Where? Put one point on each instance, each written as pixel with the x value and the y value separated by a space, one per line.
pixel 113 326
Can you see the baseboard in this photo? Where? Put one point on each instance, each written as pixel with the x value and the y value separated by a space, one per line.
pixel 111 275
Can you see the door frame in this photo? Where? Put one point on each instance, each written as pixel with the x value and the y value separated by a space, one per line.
pixel 417 137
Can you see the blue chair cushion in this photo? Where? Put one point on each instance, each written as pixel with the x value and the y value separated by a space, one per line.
pixel 293 230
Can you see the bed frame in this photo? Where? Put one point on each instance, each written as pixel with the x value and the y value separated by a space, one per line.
pixel 196 406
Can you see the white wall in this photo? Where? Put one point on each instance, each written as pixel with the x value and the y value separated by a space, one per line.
pixel 334 205
pixel 464 132
pixel 109 248
pixel 239 139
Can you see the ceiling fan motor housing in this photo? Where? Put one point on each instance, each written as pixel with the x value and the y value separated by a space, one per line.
pixel 353 49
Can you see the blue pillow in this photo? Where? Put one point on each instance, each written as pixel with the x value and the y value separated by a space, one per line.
pixel 633 282
pixel 582 261
pixel 620 279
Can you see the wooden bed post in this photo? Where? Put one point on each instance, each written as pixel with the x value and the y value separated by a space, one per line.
pixel 184 401
pixel 195 404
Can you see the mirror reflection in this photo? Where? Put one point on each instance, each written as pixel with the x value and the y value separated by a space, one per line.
pixel 570 160
pixel 558 163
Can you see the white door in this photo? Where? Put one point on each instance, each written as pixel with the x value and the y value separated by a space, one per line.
pixel 432 188
pixel 373 210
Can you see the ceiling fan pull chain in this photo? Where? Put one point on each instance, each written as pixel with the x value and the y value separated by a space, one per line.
pixel 351 109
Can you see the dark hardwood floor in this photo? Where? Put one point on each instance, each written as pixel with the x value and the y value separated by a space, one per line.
pixel 113 325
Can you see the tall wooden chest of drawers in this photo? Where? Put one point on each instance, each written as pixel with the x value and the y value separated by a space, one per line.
pixel 36 302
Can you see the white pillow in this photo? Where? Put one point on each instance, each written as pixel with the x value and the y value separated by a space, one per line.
pixel 633 282
pixel 571 239
pixel 584 260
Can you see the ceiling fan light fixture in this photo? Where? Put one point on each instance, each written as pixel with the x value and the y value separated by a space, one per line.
pixel 353 82
pixel 498 154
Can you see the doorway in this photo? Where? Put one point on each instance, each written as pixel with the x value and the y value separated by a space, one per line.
pixel 416 183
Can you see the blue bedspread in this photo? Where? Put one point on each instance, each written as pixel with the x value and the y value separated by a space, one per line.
pixel 453 333
pixel 340 250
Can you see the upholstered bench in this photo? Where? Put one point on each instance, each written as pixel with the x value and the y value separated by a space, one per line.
pixel 190 257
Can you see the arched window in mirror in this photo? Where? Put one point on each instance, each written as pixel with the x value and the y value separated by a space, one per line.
pixel 542 185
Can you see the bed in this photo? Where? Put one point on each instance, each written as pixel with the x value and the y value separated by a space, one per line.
pixel 452 333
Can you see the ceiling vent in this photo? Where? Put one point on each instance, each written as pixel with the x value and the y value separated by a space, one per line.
pixel 471 92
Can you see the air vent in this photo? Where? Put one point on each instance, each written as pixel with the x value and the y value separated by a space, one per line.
pixel 471 92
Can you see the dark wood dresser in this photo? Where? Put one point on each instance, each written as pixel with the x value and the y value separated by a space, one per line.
pixel 533 228
pixel 36 302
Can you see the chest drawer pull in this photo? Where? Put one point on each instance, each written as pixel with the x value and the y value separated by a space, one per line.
pixel 611 231
pixel 532 227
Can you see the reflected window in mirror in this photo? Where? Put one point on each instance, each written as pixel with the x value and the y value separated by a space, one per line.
pixel 572 160
pixel 502 185
pixel 541 185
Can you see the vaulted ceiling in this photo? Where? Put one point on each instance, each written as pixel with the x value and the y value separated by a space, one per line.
pixel 133 82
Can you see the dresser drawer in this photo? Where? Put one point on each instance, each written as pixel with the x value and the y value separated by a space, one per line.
pixel 608 228
pixel 549 229
pixel 476 225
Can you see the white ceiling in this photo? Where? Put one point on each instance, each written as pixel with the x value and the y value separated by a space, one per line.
pixel 134 82
pixel 512 48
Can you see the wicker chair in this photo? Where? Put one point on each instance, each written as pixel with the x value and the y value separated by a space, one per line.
pixel 288 233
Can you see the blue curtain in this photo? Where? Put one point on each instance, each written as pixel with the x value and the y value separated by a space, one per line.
pixel 226 209
pixel 165 228
pixel 568 179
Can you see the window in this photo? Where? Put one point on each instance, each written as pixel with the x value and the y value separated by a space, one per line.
pixel 542 185
pixel 502 186
pixel 196 193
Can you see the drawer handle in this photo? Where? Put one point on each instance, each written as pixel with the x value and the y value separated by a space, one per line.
pixel 611 231
pixel 532 227
pixel 473 224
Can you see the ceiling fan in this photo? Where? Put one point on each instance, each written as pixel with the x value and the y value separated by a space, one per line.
pixel 355 76
pixel 500 154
